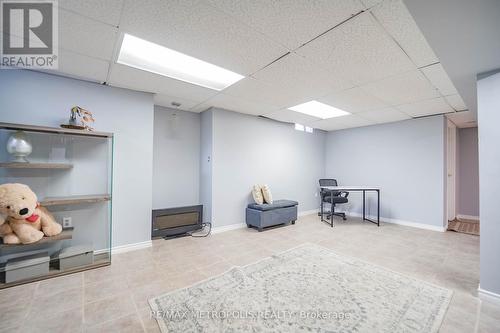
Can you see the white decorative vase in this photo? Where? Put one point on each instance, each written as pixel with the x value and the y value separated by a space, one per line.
pixel 19 147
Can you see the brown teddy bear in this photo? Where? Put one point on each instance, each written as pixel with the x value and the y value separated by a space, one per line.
pixel 26 221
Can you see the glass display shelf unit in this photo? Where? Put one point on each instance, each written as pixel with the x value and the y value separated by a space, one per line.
pixel 70 171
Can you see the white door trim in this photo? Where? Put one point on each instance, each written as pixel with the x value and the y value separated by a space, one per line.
pixel 451 170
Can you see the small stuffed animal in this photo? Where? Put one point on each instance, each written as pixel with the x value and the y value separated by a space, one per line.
pixel 26 221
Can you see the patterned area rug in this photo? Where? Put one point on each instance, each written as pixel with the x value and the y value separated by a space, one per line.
pixel 464 226
pixel 305 289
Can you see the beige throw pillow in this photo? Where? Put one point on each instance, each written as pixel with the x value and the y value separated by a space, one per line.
pixel 257 195
pixel 266 192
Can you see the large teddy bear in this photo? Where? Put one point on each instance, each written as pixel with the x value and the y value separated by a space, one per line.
pixel 26 221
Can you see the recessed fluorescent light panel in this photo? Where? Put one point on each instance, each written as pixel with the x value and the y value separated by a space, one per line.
pixel 139 53
pixel 318 110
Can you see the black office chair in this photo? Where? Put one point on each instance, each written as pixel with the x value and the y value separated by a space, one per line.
pixel 333 198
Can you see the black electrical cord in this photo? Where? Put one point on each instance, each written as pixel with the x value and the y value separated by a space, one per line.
pixel 203 225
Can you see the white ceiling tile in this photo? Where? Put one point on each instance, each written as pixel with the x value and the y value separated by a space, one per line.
pixel 343 122
pixel 398 22
pixel 86 36
pixel 258 91
pixel 239 105
pixel 463 119
pixel 290 116
pixel 439 78
pixel 83 67
pixel 105 11
pixel 300 75
pixel 456 102
pixel 131 78
pixel 360 50
pixel 166 101
pixel 425 108
pixel 353 100
pixel 402 89
pixel 291 23
pixel 385 115
pixel 197 29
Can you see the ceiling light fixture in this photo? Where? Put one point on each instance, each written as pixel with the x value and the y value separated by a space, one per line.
pixel 139 53
pixel 318 110
pixel 299 127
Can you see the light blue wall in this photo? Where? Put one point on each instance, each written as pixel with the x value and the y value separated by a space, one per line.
pixel 176 158
pixel 41 99
pixel 206 150
pixel 468 172
pixel 405 159
pixel 488 93
pixel 248 150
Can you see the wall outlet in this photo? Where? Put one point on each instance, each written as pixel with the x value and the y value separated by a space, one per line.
pixel 67 222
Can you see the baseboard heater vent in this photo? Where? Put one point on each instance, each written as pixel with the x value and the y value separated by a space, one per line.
pixel 176 221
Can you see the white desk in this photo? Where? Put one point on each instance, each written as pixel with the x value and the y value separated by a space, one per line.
pixel 363 189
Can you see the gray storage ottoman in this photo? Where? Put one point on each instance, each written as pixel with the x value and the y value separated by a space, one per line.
pixel 267 215
pixel 26 267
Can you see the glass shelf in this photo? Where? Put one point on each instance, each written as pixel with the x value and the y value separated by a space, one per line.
pixel 75 200
pixel 17 165
pixel 67 233
pixel 70 171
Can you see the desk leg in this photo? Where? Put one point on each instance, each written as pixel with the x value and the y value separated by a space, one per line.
pixel 331 210
pixel 378 208
pixel 364 205
pixel 321 206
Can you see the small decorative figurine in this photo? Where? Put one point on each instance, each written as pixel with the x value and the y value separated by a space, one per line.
pixel 80 119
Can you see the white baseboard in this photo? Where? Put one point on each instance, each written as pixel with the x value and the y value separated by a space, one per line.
pixel 126 247
pixel 131 247
pixel 402 222
pixel 216 230
pixel 467 217
pixel 308 212
pixel 224 228
pixel 416 225
pixel 488 296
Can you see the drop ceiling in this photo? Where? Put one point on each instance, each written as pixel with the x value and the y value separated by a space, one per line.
pixel 367 57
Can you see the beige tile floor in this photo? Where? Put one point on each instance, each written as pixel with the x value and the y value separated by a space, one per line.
pixel 114 299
